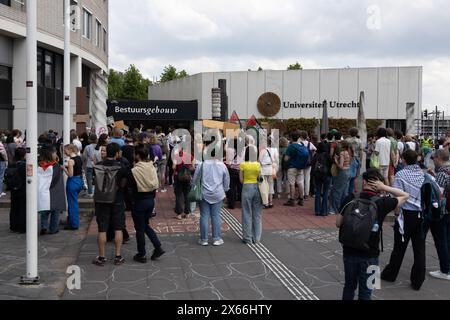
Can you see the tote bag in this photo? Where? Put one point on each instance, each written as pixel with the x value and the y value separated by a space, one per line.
pixel 195 195
pixel 264 190
pixel 375 161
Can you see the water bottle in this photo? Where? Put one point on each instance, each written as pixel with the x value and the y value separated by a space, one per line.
pixel 376 227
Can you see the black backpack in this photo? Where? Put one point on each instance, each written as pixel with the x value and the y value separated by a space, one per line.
pixel 359 219
pixel 321 167
pixel 106 183
pixel 310 158
pixel 13 180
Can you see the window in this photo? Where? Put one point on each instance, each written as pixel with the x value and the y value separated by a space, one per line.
pixel 39 66
pixel 73 14
pixel 49 70
pixel 105 41
pixel 6 2
pixel 50 81
pixel 87 24
pixel 98 32
pixel 59 67
pixel 5 86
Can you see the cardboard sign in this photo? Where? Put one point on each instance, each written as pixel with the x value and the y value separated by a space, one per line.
pixel 120 125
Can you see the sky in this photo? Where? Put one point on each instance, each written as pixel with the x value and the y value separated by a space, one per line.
pixel 237 35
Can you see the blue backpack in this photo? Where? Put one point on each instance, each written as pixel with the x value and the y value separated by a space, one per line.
pixel 433 209
pixel 302 157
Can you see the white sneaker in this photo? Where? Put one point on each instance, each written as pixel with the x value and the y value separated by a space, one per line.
pixel 440 275
pixel 164 190
pixel 203 243
pixel 332 213
pixel 2 194
pixel 218 243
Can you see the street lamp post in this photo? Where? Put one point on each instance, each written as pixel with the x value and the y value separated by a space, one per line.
pixel 66 114
pixel 32 277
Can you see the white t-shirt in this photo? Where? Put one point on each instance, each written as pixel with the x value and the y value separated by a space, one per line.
pixel 412 145
pixel 401 147
pixel 383 147
pixel 78 144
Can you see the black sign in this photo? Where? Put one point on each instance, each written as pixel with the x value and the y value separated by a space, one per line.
pixel 153 110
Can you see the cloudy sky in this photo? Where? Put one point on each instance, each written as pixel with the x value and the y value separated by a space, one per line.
pixel 236 35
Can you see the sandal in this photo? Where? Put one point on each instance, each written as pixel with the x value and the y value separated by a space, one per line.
pixel 99 261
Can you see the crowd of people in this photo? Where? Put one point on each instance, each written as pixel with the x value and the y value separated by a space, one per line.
pixel 124 173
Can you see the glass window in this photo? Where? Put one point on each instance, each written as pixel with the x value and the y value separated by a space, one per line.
pixel 5 73
pixel 59 72
pixel 48 76
pixel 6 2
pixel 87 24
pixel 98 33
pixel 105 41
pixel 39 66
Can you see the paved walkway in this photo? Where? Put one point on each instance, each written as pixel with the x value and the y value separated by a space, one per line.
pixel 299 258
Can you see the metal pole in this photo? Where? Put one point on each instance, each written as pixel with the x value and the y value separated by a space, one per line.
pixel 66 137
pixel 32 277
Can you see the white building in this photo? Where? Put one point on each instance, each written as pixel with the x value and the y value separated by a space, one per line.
pixel 89 59
pixel 387 91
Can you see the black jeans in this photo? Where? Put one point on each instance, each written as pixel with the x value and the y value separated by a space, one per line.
pixel 440 232
pixel 235 191
pixel 182 204
pixel 141 213
pixel 413 230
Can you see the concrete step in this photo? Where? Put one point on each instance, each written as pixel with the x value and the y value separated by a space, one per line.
pixel 84 204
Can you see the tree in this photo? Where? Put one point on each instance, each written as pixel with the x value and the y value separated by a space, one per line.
pixel 296 66
pixel 129 85
pixel 170 73
pixel 260 69
pixel 115 85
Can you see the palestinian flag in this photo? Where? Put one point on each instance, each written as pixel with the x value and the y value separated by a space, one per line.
pixel 235 119
pixel 253 123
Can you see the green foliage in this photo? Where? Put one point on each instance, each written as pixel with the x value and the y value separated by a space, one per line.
pixel 170 73
pixel 296 66
pixel 128 85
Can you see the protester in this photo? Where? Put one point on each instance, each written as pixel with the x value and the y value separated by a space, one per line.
pixel 358 151
pixel 394 155
pixel 144 183
pixel 110 180
pixel 233 161
pixel 409 225
pixel 342 161
pixel 297 156
pixel 74 171
pixel 282 176
pixel 251 198
pixel 321 173
pixel 90 161
pixel 51 193
pixel 74 140
pixel 268 159
pixel 128 149
pixel 383 151
pixel 215 182
pixel 307 171
pixel 117 137
pixel 103 141
pixel 370 148
pixel 3 166
pixel 15 180
pixel 11 147
pixel 183 169
pixel 360 255
pixel 441 229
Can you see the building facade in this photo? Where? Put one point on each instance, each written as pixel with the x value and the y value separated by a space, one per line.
pixel 89 58
pixel 301 93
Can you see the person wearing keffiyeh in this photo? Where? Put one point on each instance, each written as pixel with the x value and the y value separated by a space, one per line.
pixel 409 225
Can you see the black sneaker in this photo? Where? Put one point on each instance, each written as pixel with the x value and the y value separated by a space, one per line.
pixel 119 260
pixel 141 259
pixel 70 228
pixel 43 232
pixel 157 253
pixel 290 203
pixel 301 202
pixel 99 261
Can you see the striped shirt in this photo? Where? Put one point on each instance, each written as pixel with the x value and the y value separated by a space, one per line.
pixel 410 180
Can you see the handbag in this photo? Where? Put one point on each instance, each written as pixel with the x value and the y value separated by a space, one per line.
pixel 334 170
pixel 274 170
pixel 195 195
pixel 264 190
pixel 375 161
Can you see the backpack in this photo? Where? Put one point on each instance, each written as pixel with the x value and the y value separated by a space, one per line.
pixel 433 209
pixel 184 174
pixel 13 179
pixel 321 168
pixel 308 163
pixel 106 183
pixel 360 216
pixel 302 156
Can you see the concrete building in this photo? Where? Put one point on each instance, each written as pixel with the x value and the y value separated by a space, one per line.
pixel 301 93
pixel 89 58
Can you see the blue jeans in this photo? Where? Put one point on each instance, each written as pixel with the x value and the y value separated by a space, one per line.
pixel 355 269
pixel 141 213
pixel 339 190
pixel 210 210
pixel 251 213
pixel 73 189
pixel 90 180
pixel 321 199
pixel 54 221
pixel 441 234
pixel 3 166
